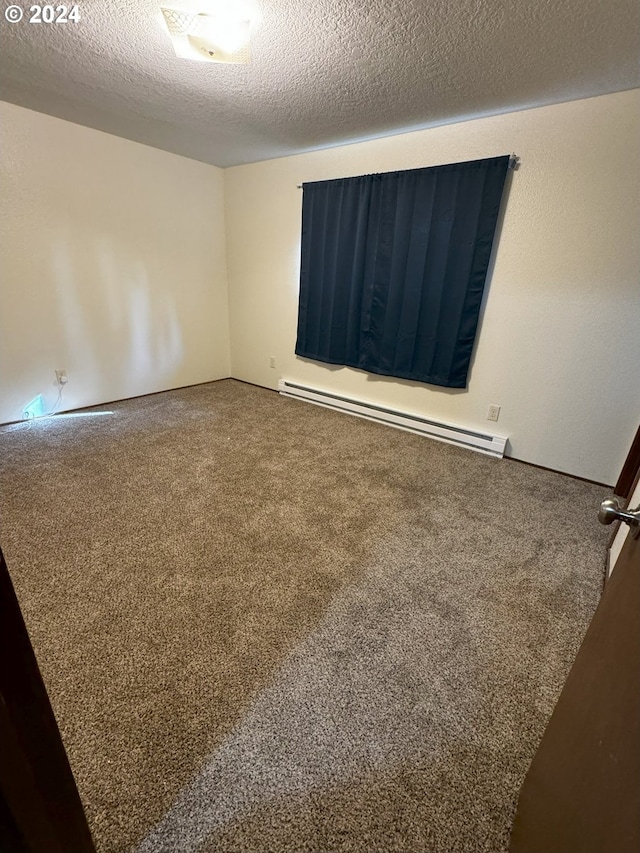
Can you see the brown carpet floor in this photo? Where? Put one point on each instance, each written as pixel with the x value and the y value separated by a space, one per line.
pixel 265 626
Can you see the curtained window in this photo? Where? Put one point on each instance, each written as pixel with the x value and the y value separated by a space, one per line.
pixel 393 269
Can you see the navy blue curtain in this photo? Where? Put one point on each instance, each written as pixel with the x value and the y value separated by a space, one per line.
pixel 393 269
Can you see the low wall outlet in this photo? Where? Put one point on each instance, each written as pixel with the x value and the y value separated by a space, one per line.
pixel 272 361
pixel 493 413
pixel 61 377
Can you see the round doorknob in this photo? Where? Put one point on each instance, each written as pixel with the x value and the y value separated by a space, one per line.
pixel 611 510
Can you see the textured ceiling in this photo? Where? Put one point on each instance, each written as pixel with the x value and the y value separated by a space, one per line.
pixel 322 73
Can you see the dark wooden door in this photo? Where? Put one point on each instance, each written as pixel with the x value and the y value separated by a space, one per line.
pixel 40 809
pixel 582 792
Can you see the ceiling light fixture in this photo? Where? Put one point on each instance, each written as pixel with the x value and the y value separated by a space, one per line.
pixel 204 37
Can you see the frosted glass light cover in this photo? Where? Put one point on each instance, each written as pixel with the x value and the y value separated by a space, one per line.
pixel 208 38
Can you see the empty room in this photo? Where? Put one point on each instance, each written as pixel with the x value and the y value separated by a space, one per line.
pixel 319 427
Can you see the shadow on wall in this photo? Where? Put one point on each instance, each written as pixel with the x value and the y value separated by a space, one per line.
pixel 113 327
pixel 121 323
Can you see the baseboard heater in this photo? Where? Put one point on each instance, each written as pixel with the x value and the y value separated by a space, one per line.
pixel 492 445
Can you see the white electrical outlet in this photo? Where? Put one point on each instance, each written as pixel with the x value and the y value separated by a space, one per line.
pixel 494 412
pixel 61 377
pixel 272 361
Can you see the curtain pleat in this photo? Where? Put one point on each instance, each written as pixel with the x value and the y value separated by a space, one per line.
pixel 393 268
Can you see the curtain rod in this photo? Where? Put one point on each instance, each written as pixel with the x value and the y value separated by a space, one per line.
pixel 514 162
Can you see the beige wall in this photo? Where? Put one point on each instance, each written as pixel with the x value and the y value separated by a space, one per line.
pixel 112 262
pixel 559 343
